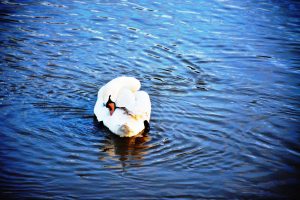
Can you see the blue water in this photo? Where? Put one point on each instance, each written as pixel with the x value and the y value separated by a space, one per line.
pixel 223 77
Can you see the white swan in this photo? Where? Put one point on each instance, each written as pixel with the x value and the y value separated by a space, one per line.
pixel 122 107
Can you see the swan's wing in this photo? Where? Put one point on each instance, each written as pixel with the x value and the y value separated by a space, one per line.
pixel 114 86
pixel 126 98
pixel 100 110
pixel 142 105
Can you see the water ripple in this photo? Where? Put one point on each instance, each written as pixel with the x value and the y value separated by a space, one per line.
pixel 223 79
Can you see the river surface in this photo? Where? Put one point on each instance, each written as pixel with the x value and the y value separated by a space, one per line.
pixel 223 77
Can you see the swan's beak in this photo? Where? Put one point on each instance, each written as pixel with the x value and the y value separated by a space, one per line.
pixel 111 107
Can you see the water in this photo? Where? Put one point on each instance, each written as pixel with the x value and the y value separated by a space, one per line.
pixel 223 77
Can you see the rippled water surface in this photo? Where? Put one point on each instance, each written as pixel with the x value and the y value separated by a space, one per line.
pixel 223 77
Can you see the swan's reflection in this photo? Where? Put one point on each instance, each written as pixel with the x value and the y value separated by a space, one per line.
pixel 133 148
pixel 127 150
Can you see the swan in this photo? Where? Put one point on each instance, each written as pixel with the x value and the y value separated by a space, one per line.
pixel 122 107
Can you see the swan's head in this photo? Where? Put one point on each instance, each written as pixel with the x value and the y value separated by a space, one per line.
pixel 110 105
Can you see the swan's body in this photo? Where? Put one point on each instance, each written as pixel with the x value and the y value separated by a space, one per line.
pixel 131 107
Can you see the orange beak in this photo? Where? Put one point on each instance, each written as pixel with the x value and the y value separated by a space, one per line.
pixel 111 107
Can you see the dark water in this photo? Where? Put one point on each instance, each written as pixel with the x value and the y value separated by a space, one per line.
pixel 223 77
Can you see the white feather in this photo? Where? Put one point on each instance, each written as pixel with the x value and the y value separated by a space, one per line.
pixel 134 106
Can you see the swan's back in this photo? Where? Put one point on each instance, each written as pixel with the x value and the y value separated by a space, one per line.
pixel 114 86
